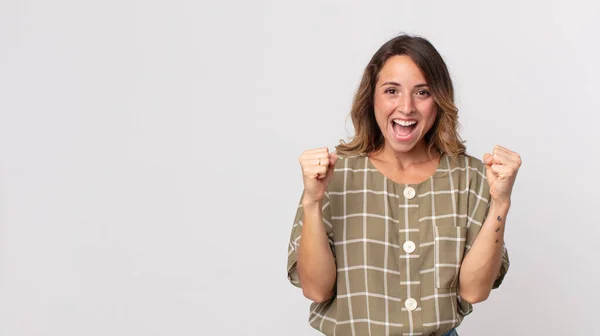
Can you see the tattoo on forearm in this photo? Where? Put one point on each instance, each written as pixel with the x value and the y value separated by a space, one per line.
pixel 498 229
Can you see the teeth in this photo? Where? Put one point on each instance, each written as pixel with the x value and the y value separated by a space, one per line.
pixel 405 122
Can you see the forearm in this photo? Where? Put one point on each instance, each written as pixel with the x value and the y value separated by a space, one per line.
pixel 481 265
pixel 316 265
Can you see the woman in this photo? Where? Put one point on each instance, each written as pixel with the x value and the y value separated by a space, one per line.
pixel 400 232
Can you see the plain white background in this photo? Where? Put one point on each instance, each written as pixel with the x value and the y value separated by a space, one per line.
pixel 148 155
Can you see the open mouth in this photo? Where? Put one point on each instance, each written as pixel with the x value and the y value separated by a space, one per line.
pixel 404 129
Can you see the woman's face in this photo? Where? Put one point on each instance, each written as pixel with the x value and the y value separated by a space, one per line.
pixel 404 108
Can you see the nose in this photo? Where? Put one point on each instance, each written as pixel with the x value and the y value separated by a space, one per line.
pixel 406 103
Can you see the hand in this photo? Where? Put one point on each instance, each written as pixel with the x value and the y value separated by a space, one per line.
pixel 501 170
pixel 317 171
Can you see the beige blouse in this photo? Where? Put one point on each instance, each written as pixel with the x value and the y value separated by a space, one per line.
pixel 398 248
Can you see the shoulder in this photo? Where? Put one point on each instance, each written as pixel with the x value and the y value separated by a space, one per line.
pixel 348 169
pixel 473 171
pixel 466 167
pixel 351 162
pixel 466 161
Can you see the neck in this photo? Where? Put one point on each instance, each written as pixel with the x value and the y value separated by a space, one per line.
pixel 420 154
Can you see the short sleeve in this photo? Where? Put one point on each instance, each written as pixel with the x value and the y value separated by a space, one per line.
pixel 296 236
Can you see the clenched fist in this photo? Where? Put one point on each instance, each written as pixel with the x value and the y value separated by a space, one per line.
pixel 502 167
pixel 317 171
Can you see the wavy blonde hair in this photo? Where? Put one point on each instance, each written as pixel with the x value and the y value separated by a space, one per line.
pixel 443 135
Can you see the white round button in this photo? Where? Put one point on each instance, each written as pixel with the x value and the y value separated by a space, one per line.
pixel 409 246
pixel 410 304
pixel 409 193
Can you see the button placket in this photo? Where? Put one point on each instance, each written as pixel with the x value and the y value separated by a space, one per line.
pixel 409 246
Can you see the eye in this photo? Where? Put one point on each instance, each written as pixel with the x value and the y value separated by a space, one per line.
pixel 390 90
pixel 423 93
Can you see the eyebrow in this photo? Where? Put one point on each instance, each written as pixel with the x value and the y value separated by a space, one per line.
pixel 398 84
